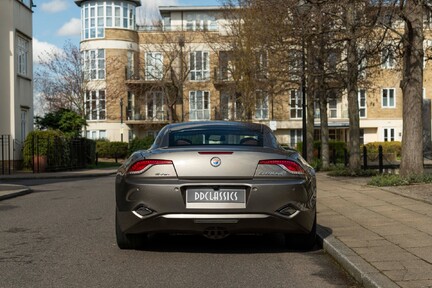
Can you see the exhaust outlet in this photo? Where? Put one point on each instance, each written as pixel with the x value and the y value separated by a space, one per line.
pixel 215 233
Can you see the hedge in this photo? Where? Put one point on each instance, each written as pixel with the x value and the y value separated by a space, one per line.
pixel 107 149
pixel 140 144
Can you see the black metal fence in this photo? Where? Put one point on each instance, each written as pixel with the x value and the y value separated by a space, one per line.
pixel 6 154
pixel 370 160
pixel 45 154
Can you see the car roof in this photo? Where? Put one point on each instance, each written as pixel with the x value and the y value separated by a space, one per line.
pixel 227 124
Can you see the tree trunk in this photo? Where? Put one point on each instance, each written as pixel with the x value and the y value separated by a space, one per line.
pixel 325 151
pixel 412 87
pixel 310 122
pixel 352 77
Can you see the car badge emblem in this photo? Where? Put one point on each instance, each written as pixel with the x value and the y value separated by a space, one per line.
pixel 215 161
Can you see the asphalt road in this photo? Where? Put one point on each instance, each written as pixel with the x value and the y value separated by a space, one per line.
pixel 62 235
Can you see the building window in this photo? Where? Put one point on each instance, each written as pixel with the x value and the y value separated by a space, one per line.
pixel 153 66
pixel 95 16
pixel 362 103
pixel 261 105
pixel 131 65
pixel 332 106
pixel 196 21
pixel 94 64
pixel 96 134
pixel 199 104
pixel 388 98
pixel 95 105
pixel 23 124
pixel 262 65
pixel 362 67
pixel 296 136
pixel 23 46
pixel 199 65
pixel 317 113
pixel 155 105
pixel 389 134
pixel 296 104
pixel 224 106
pixel 388 59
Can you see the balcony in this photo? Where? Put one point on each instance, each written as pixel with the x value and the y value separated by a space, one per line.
pixel 139 115
pixel 138 78
pixel 222 77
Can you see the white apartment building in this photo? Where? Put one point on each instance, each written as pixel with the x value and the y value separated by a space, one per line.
pixel 16 71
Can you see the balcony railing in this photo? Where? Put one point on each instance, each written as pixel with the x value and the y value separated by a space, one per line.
pixel 138 77
pixel 168 28
pixel 136 114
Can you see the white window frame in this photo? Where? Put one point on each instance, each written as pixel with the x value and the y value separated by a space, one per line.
pixel 296 104
pixel 96 134
pixel 333 109
pixel 95 105
pixel 199 105
pixel 296 136
pixel 23 50
pixel 389 134
pixel 261 105
pixel 388 59
pixel 386 104
pixel 199 70
pixel 153 66
pixel 362 98
pixel 155 100
pixel 94 64
pixel 96 16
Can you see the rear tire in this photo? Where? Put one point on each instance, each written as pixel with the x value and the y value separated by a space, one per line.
pixel 302 241
pixel 129 241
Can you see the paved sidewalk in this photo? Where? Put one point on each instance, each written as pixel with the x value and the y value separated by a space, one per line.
pixel 382 236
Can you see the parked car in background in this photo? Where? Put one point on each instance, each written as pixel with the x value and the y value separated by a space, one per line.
pixel 215 178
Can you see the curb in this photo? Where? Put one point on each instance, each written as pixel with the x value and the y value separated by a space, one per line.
pixel 57 176
pixel 363 272
pixel 15 193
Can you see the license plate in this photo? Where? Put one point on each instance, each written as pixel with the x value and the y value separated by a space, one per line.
pixel 208 198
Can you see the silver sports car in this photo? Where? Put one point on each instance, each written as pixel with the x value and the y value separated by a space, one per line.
pixel 215 178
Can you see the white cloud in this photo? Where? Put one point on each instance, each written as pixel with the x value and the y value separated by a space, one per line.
pixel 41 50
pixel 54 6
pixel 71 28
pixel 148 11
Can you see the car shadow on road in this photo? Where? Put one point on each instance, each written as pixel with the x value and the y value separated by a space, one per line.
pixel 238 244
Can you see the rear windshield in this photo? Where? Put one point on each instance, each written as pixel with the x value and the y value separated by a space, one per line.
pixel 211 137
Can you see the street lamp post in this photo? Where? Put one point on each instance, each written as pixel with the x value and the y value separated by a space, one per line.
pixel 303 89
pixel 181 42
pixel 121 119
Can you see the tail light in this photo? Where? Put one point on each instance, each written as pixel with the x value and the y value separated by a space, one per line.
pixel 287 165
pixel 143 165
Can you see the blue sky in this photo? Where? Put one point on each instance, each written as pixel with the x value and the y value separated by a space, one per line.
pixel 57 21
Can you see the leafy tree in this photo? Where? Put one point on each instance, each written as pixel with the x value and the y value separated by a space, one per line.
pixel 65 120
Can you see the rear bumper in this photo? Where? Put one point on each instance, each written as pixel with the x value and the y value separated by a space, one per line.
pixel 232 223
pixel 167 202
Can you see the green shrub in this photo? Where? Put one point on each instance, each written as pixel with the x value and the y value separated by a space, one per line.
pixel 397 180
pixel 140 144
pixel 346 172
pixel 106 149
pixel 392 147
pixel 38 143
pixel 339 146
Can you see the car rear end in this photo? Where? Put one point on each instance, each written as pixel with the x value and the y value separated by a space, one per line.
pixel 216 190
